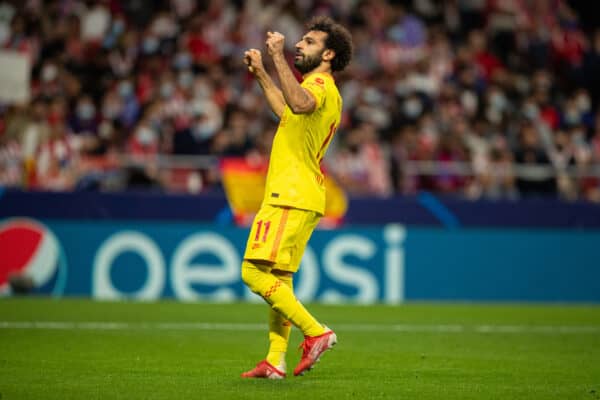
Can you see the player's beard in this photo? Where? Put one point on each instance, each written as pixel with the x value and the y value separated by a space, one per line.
pixel 307 63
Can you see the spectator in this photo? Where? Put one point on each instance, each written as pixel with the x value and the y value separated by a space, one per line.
pixel 361 165
pixel 484 86
pixel 531 154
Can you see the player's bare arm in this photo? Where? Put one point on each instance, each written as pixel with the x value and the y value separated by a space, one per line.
pixel 297 98
pixel 253 59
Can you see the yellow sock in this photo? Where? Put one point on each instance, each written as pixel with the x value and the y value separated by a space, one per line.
pixel 280 296
pixel 279 332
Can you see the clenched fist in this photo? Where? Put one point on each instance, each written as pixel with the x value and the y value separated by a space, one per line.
pixel 253 59
pixel 275 42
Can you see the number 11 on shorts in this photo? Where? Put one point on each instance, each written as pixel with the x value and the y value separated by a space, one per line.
pixel 259 227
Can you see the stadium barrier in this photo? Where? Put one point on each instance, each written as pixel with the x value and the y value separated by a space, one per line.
pixel 424 209
pixel 145 247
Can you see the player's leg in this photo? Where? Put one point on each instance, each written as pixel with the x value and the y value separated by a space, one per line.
pixel 284 307
pixel 277 239
pixel 314 345
pixel 317 338
pixel 258 249
pixel 279 330
pixel 260 280
pixel 269 231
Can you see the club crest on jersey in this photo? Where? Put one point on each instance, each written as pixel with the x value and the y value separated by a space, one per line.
pixel 319 80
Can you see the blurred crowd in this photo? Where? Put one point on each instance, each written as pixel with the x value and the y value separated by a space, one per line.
pixel 478 98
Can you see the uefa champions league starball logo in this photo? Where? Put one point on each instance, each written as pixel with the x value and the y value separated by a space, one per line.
pixel 31 255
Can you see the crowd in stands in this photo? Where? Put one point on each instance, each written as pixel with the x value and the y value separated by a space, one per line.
pixel 454 97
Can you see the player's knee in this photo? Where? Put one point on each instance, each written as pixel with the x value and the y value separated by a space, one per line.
pixel 284 276
pixel 250 276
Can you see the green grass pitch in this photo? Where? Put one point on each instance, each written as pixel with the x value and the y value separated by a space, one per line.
pixel 80 349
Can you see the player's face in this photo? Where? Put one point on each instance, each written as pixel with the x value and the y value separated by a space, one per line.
pixel 309 51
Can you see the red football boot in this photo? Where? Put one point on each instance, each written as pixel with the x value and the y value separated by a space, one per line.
pixel 264 370
pixel 312 349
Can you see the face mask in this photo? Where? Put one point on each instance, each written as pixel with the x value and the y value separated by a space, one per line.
pixel 155 122
pixel 182 61
pixel 572 117
pixel 493 115
pixel 185 79
pixel 469 102
pixel 202 91
pixel 531 111
pixel 145 136
pixel 401 89
pixel 372 96
pixel 203 130
pixel 583 103
pixel 105 130
pixel 61 151
pixel 166 90
pixel 150 45
pixel 412 108
pixel 86 111
pixel 498 101
pixel 49 72
pixel 118 27
pixel 396 33
pixel 578 137
pixel 125 89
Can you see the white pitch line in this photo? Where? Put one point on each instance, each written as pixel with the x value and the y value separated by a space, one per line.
pixel 218 326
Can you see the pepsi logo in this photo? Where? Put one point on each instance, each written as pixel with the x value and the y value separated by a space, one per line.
pixel 28 250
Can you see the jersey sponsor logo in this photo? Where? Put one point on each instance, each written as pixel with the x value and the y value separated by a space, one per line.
pixel 30 254
pixel 275 195
pixel 320 81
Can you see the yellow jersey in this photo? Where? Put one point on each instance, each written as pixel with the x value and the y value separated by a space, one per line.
pixel 295 178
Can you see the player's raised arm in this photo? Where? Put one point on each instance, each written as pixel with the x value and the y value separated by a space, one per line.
pixel 253 59
pixel 297 98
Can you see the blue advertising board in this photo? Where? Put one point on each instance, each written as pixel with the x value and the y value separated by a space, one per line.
pixel 391 263
pixel 425 209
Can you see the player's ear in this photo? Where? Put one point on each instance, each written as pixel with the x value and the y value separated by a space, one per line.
pixel 328 55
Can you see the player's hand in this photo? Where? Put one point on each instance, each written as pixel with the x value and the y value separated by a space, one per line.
pixel 275 42
pixel 253 59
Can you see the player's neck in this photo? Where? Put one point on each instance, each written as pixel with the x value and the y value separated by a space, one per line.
pixel 323 68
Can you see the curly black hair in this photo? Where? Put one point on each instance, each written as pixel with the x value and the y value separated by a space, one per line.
pixel 338 39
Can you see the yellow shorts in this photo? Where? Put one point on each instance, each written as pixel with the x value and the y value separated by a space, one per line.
pixel 279 235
